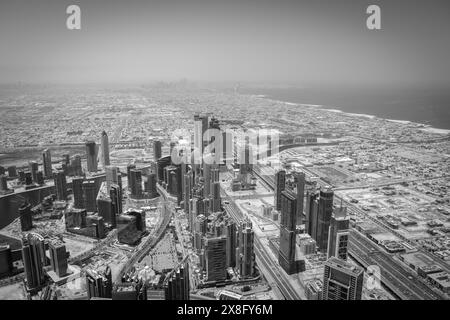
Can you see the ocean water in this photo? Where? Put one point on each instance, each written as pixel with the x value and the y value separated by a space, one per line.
pixel 426 106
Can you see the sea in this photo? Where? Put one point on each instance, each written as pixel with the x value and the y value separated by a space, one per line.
pixel 430 107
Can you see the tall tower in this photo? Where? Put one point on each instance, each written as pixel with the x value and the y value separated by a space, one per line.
pixel 338 235
pixel 280 185
pixel 231 244
pixel 34 167
pixel 286 255
pixel 177 284
pixel 33 257
pixel 26 217
pixel 47 163
pixel 77 187
pixel 342 281
pixel 324 213
pixel 90 195
pixel 105 150
pixel 99 284
pixel 246 257
pixel 215 255
pixel 300 185
pixel 157 153
pixel 60 185
pixel 91 156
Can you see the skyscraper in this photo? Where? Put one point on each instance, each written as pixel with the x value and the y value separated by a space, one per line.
pixel 300 192
pixel 91 156
pixel 99 284
pixel 112 175
pixel 47 163
pixel 115 194
pixel 150 185
pixel 105 150
pixel 286 255
pixel 215 256
pixel 77 187
pixel 176 286
pixel 245 258
pixel 26 217
pixel 3 183
pixel 338 235
pixel 90 195
pixel 135 183
pixel 280 185
pixel 34 260
pixel 105 210
pixel 60 185
pixel 324 213
pixel 342 281
pixel 157 153
pixel 231 244
pixel 58 257
pixel 33 167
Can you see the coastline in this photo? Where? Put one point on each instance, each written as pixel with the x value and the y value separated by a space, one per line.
pixel 420 126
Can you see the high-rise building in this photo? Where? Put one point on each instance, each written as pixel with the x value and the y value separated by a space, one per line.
pixel 12 171
pixel 130 166
pixel 150 185
pixel 313 290
pixel 26 217
pixel 311 207
pixel 215 258
pixel 131 226
pixel 58 257
pixel 280 185
pixel 34 260
pixel 3 183
pixel 324 212
pixel 105 150
pixel 231 244
pixel 40 178
pixel 33 167
pixel 245 257
pixel 216 201
pixel 90 195
pixel 342 280
pixel 47 163
pixel 105 210
pixel 115 194
pixel 177 284
pixel 112 175
pixel 300 192
pixel 99 284
pixel 6 260
pixel 2 170
pixel 338 235
pixel 75 218
pixel 286 255
pixel 187 190
pixel 157 153
pixel 135 183
pixel 77 188
pixel 60 185
pixel 91 156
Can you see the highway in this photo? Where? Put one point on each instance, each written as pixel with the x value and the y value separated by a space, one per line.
pixel 404 284
pixel 152 240
pixel 263 259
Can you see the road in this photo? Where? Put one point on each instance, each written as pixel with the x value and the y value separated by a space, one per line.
pixel 406 285
pixel 264 260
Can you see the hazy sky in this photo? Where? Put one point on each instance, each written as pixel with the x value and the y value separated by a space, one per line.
pixel 302 42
